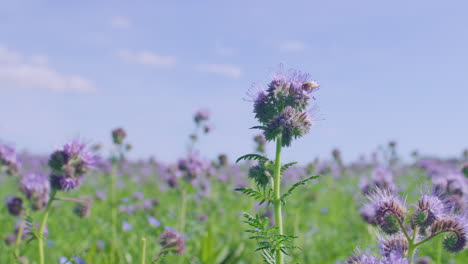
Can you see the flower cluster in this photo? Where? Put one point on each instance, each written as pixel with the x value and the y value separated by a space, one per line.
pixel 282 108
pixel 260 141
pixel 171 241
pixel 431 217
pixel 8 159
pixel 36 188
pixel 118 135
pixel 69 165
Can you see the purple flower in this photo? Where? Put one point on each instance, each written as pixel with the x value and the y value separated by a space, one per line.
pixel 153 221
pixel 261 143
pixel 456 227
pixel 192 167
pixel 36 188
pixel 282 108
pixel 201 115
pixel 69 165
pixel 14 205
pixel 172 241
pixel 118 136
pixel 8 159
pixel 430 208
pixel 126 226
pixel 388 210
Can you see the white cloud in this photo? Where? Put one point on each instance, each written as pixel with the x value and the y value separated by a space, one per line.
pixel 292 45
pixel 147 58
pixel 120 22
pixel 19 71
pixel 223 69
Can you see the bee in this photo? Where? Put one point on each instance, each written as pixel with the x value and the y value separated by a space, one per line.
pixel 310 86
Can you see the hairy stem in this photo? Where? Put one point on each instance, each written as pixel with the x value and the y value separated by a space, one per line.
pixel 40 236
pixel 412 246
pixel 277 197
pixel 19 236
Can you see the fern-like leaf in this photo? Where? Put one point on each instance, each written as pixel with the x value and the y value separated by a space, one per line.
pixel 258 157
pixel 294 186
pixel 286 166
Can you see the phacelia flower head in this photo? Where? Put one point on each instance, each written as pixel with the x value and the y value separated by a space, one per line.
pixel 282 107
pixel 396 244
pixel 430 208
pixel 192 166
pixel 389 209
pixel 201 115
pixel 363 258
pixel 14 205
pixel 8 159
pixel 36 188
pixel 118 135
pixel 170 240
pixel 69 165
pixel 456 227
pixel 261 143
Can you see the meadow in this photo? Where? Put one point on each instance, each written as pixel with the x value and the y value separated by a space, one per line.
pixel 325 214
pixel 83 205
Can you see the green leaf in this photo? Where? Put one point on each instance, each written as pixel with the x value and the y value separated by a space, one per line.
pixel 258 127
pixel 257 194
pixel 286 166
pixel 253 157
pixel 294 186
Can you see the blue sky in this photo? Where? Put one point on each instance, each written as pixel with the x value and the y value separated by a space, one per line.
pixel 387 70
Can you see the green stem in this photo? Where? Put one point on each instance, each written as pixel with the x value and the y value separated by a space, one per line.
pixel 68 199
pixel 404 230
pixel 412 246
pixel 183 210
pixel 277 197
pixel 113 210
pixel 40 236
pixel 19 237
pixel 143 251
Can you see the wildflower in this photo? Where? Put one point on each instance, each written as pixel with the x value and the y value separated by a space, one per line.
pixel 362 258
pixel 192 167
pixel 118 135
pixel 201 115
pixel 138 196
pixel 153 221
pixel 83 209
pixel 430 208
pixel 367 213
pixel 69 166
pixel 282 108
pixel 172 241
pixel 389 210
pixel 290 124
pixel 396 244
pixel 126 226
pixel 457 227
pixel 14 205
pixel 8 159
pixel 36 188
pixel 261 143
